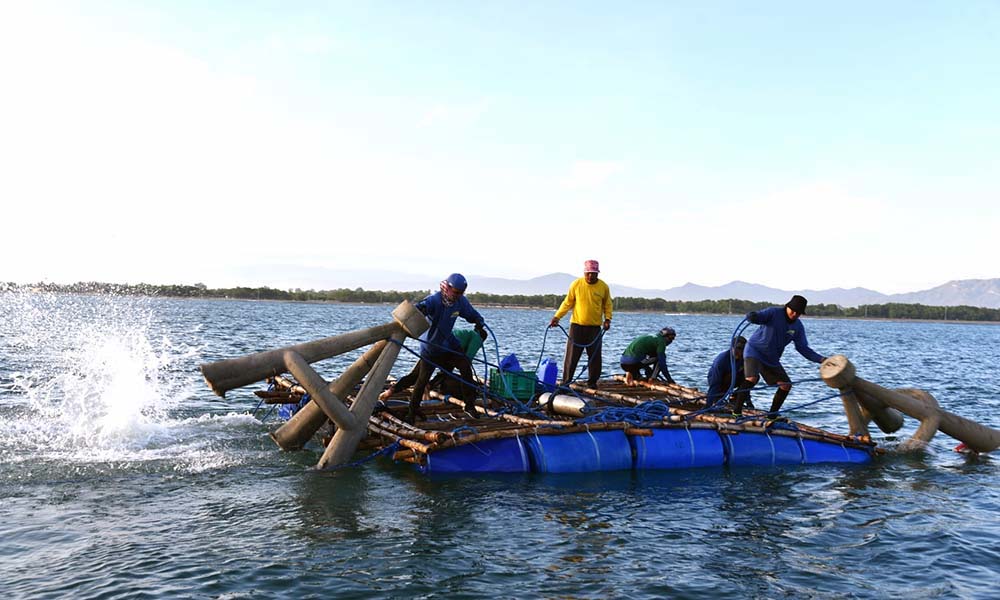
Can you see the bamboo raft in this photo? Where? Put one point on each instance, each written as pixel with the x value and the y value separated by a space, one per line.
pixel 613 427
pixel 556 438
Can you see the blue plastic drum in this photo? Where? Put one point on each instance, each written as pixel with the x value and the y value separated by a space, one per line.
pixel 581 452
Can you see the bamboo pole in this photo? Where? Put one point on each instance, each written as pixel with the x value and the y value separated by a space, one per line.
pixel 505 416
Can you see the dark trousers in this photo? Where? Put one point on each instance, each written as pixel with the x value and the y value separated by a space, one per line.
pixel 580 335
pixel 448 361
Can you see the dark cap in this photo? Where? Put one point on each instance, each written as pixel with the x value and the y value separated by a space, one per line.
pixel 798 304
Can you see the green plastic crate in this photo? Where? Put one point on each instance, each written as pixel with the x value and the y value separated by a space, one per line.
pixel 520 385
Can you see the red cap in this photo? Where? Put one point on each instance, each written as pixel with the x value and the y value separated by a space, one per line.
pixel 591 266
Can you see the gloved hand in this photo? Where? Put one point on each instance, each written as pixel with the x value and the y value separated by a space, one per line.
pixel 607 324
pixel 481 331
pixel 553 322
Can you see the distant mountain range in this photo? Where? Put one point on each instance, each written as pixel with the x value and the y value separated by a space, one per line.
pixel 983 293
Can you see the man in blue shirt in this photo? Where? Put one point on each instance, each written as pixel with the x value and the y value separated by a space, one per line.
pixel 439 346
pixel 721 378
pixel 779 326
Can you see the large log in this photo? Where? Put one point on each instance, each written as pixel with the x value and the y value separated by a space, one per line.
pixel 345 442
pixel 838 372
pixel 295 432
pixel 225 375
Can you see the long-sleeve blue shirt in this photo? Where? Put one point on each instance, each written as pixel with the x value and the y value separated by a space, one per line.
pixel 720 375
pixel 439 339
pixel 775 332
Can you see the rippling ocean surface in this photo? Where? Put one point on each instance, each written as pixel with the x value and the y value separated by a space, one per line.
pixel 122 475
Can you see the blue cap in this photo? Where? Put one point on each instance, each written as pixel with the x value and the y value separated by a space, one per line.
pixel 457 281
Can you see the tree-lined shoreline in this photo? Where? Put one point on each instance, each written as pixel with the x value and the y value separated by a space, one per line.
pixel 547 301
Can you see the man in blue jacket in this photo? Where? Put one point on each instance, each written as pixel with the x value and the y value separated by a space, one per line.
pixel 722 379
pixel 779 326
pixel 439 346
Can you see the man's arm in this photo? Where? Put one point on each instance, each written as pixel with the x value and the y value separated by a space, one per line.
pixel 802 345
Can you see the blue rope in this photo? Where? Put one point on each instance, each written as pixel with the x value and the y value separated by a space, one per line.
pixel 513 405
pixel 464 429
pixel 391 448
pixel 586 365
pixel 732 366
pixel 654 411
pixel 253 413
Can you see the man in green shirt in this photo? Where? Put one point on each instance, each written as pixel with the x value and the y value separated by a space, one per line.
pixel 649 354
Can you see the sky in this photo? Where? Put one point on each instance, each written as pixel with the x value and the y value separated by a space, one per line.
pixel 795 145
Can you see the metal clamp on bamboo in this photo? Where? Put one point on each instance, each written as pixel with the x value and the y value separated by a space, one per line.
pixel 877 401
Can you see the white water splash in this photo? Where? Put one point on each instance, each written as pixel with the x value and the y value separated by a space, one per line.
pixel 101 381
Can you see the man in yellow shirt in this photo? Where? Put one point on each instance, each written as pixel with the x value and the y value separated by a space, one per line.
pixel 590 300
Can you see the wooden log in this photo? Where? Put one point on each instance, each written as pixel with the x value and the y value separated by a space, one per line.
pixel 405 430
pixel 839 373
pixel 856 421
pixel 639 432
pixel 411 444
pixel 889 420
pixel 406 454
pixel 295 432
pixel 674 389
pixel 287 385
pixel 331 404
pixel 345 440
pixel 225 375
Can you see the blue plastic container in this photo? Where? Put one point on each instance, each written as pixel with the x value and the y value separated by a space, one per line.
pixel 548 374
pixel 505 455
pixel 287 411
pixel 679 448
pixel 761 449
pixel 581 452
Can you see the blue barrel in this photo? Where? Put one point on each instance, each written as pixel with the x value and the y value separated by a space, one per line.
pixel 824 452
pixel 582 452
pixel 505 455
pixel 751 448
pixel 678 448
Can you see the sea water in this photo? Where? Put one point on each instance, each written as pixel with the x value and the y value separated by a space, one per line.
pixel 122 475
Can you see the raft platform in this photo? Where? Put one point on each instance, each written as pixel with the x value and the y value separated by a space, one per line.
pixel 614 434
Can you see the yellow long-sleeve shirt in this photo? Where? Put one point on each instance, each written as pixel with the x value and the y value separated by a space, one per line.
pixel 591 304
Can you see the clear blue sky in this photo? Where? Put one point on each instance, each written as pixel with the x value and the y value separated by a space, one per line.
pixel 795 145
